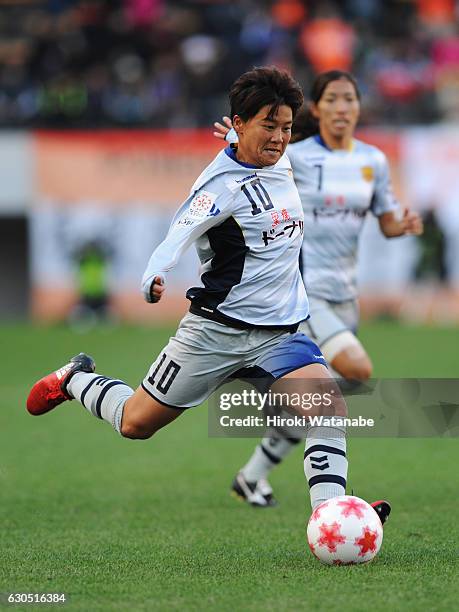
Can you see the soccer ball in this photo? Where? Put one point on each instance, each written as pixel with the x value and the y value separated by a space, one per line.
pixel 344 530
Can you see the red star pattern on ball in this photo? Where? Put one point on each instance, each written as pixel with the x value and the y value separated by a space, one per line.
pixel 330 536
pixel 352 506
pixel 316 514
pixel 367 541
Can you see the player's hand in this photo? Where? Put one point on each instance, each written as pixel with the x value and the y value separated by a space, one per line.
pixel 412 223
pixel 222 130
pixel 157 289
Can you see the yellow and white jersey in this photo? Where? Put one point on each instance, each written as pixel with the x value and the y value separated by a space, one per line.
pixel 337 189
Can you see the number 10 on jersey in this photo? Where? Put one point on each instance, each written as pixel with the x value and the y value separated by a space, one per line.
pixel 257 195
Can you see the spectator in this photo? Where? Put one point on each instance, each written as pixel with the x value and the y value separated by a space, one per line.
pixel 86 63
pixel 328 42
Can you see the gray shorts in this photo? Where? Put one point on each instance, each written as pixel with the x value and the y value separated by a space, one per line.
pixel 327 319
pixel 204 353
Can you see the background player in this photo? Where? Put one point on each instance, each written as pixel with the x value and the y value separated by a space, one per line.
pixel 237 323
pixel 340 179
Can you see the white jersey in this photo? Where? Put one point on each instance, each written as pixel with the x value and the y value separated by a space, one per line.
pixel 337 189
pixel 247 224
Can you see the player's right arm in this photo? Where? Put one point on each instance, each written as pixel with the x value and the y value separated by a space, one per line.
pixel 201 211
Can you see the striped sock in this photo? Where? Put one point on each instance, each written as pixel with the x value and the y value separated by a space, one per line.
pixel 269 453
pixel 325 463
pixel 103 397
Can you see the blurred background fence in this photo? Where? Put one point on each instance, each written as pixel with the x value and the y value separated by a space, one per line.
pixel 106 111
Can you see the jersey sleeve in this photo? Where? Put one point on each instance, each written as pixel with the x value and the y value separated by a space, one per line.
pixel 383 200
pixel 201 211
pixel 231 136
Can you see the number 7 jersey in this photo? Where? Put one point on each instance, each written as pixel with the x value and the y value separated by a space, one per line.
pixel 247 224
pixel 337 189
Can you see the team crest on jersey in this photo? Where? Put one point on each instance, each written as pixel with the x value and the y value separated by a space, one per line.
pixel 367 173
pixel 203 205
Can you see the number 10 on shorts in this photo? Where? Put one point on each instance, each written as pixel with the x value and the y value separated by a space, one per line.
pixel 165 375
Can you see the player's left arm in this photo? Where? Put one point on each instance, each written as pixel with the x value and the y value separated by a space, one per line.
pixel 393 220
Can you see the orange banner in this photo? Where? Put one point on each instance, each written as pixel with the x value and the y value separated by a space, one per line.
pixel 117 168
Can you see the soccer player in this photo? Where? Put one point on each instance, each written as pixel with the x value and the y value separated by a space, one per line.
pixel 245 216
pixel 340 179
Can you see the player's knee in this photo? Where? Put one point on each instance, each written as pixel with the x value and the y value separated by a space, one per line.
pixel 347 356
pixel 365 371
pixel 351 368
pixel 360 370
pixel 135 430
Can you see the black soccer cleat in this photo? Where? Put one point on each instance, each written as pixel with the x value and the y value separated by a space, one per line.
pixel 257 494
pixel 382 509
pixel 51 390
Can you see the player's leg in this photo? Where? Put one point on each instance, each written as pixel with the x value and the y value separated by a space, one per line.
pixel 296 365
pixel 251 484
pixel 325 454
pixel 332 326
pixel 194 362
pixel 325 459
pixel 132 414
pixel 143 416
pixel 347 357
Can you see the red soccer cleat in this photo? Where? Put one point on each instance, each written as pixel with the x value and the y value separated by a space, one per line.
pixel 51 390
pixel 382 509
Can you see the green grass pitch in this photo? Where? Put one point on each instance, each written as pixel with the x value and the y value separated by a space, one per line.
pixel 149 525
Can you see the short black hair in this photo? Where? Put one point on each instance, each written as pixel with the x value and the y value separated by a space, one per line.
pixel 261 87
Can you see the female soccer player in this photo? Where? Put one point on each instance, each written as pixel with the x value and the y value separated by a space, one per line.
pixel 339 179
pixel 245 216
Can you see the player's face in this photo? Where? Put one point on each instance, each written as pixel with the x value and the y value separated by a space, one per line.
pixel 262 140
pixel 338 109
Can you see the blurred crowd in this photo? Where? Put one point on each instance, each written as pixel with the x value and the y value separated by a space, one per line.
pixel 157 63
